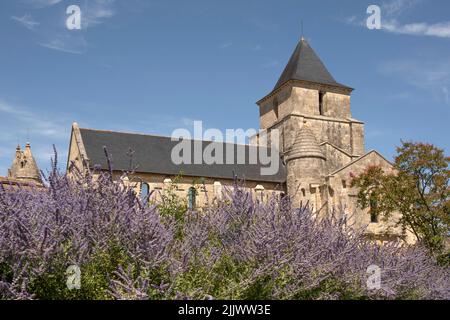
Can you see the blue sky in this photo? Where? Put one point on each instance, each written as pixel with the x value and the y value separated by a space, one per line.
pixel 154 66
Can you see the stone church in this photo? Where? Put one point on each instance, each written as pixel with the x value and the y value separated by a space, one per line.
pixel 321 149
pixel 24 170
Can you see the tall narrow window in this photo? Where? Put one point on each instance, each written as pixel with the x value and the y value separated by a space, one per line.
pixel 276 108
pixel 145 191
pixel 192 195
pixel 321 96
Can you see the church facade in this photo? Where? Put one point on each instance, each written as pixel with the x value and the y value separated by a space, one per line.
pixel 321 147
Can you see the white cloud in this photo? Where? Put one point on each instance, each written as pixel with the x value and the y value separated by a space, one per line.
pixel 27 21
pixel 441 30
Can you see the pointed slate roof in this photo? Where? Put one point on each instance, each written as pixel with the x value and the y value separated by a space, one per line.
pixel 306 65
pixel 305 145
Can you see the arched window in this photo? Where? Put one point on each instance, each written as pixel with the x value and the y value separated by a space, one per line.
pixel 192 195
pixel 259 189
pixel 303 192
pixel 145 191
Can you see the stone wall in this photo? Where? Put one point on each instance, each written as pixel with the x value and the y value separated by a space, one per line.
pixel 208 190
pixel 336 158
pixel 288 108
pixel 304 178
pixel 342 196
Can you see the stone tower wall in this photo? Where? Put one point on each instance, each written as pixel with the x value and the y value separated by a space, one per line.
pixel 304 178
pixel 287 109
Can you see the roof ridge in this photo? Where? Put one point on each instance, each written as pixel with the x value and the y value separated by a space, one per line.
pixel 169 137
pixel 358 159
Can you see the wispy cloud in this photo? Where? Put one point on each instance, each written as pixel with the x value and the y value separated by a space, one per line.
pixel 391 13
pixel 66 43
pixel 395 8
pixel 441 30
pixel 41 3
pixel 24 119
pixel 225 45
pixel 27 21
pixel 97 12
pixel 21 123
pixel 93 13
pixel 430 76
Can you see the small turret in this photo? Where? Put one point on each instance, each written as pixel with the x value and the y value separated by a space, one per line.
pixel 306 165
pixel 305 146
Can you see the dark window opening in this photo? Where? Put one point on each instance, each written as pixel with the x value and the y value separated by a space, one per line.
pixel 303 192
pixel 276 108
pixel 344 184
pixel 321 96
pixel 331 192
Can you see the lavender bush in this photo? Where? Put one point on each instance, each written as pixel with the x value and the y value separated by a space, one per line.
pixel 240 248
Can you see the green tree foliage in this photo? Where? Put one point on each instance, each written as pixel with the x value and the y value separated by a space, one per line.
pixel 419 191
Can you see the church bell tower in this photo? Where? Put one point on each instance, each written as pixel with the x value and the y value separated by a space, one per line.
pixel 311 112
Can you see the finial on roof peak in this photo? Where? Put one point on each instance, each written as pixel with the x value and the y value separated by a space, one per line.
pixel 302 38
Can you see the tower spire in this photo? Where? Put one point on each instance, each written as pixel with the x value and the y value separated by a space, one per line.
pixel 305 65
pixel 302 38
